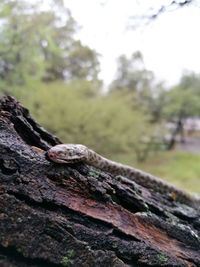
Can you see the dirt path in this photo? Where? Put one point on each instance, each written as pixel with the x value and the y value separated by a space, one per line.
pixel 192 145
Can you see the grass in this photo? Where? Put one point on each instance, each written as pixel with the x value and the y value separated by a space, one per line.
pixel 180 168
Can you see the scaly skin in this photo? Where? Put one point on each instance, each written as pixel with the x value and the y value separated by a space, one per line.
pixel 71 153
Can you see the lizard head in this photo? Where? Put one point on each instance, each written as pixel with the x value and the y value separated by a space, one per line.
pixel 68 153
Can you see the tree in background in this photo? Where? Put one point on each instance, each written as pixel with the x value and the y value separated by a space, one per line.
pixel 182 101
pixel 53 71
pixel 132 76
pixel 131 73
pixel 106 123
pixel 38 43
pixel 144 94
pixel 82 63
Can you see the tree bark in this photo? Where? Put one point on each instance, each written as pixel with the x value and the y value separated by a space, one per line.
pixel 76 215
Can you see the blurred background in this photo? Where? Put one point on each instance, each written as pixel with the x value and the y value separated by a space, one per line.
pixel 122 77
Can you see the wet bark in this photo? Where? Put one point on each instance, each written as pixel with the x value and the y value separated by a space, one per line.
pixel 76 215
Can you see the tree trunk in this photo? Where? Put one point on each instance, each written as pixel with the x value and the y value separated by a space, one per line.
pixel 179 129
pixel 75 215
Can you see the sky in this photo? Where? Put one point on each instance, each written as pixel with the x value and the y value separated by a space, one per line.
pixel 170 44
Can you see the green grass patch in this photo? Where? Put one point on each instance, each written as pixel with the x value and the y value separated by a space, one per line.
pixel 180 168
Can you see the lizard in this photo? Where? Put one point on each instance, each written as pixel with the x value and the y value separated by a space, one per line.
pixel 73 153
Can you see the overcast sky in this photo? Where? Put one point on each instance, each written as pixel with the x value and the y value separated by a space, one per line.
pixel 169 45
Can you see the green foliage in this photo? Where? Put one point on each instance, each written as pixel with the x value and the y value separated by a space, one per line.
pixel 67 260
pixel 133 76
pixel 179 168
pixel 131 73
pixel 162 258
pixel 56 77
pixel 39 44
pixel 79 114
pixel 190 80
pixel 89 64
pixel 183 100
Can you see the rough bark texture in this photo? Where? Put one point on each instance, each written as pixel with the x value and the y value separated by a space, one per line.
pixel 76 215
